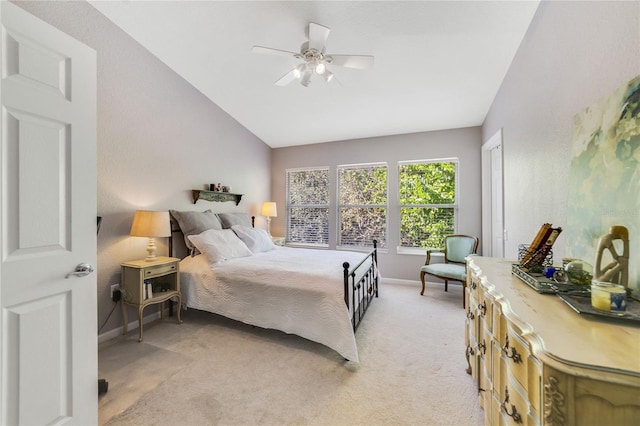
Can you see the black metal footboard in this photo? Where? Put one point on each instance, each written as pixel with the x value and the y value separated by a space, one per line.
pixel 361 287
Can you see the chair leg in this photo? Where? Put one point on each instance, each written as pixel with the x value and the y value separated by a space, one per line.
pixel 422 279
pixel 446 285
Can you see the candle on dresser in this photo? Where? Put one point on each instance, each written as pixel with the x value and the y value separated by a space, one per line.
pixel 608 297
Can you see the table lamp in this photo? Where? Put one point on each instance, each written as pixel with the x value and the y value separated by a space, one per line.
pixel 150 224
pixel 269 210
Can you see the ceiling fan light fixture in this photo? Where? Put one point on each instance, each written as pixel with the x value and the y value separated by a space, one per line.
pixel 297 71
pixel 306 78
pixel 315 60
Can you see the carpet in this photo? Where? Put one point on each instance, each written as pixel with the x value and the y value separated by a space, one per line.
pixel 215 371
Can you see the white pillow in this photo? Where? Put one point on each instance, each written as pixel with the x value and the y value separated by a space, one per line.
pixel 220 245
pixel 256 239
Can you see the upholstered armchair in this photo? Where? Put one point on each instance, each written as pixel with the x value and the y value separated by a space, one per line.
pixel 454 268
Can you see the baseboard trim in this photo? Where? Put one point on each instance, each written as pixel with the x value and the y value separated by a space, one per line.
pixel 133 325
pixel 399 281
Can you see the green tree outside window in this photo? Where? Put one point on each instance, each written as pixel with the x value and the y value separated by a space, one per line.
pixel 428 202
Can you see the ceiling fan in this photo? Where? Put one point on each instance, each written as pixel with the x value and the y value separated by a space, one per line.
pixel 314 58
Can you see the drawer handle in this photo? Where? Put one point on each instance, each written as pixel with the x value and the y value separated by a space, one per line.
pixel 470 315
pixel 473 285
pixel 152 271
pixel 514 412
pixel 483 347
pixel 483 308
pixel 515 356
pixel 468 353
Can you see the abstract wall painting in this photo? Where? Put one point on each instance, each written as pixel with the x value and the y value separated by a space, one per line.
pixel 604 183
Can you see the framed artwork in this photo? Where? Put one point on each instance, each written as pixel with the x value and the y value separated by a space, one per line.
pixel 604 183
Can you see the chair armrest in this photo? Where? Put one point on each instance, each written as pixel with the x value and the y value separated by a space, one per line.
pixel 432 250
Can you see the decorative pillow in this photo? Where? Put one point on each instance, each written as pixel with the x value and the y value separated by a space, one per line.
pixel 194 223
pixel 220 245
pixel 256 239
pixel 229 219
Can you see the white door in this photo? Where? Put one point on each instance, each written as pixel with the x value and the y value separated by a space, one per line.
pixel 493 231
pixel 497 236
pixel 48 224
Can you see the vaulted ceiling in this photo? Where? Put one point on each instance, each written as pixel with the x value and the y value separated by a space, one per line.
pixel 438 64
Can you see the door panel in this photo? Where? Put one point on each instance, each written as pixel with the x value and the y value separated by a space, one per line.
pixel 47 224
pixel 40 147
pixel 49 319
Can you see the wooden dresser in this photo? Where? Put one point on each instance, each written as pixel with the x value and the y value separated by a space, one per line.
pixel 538 362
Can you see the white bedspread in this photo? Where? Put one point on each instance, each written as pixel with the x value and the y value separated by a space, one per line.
pixel 298 291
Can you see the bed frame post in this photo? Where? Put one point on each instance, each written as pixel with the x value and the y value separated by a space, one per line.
pixel 375 259
pixel 345 265
pixel 364 289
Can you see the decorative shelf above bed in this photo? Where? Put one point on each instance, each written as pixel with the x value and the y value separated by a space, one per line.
pixel 215 196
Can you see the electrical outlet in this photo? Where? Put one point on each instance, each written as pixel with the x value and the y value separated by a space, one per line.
pixel 114 288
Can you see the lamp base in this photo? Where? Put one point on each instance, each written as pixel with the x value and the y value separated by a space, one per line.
pixel 269 225
pixel 151 249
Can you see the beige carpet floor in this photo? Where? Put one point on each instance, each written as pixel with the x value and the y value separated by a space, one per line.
pixel 214 371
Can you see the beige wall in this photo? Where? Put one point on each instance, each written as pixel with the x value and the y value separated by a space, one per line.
pixel 158 138
pixel 574 54
pixel 461 143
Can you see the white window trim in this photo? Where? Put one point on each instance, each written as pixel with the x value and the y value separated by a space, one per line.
pixel 288 205
pixel 340 205
pixel 456 207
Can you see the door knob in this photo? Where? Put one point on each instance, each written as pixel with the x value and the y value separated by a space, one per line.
pixel 81 270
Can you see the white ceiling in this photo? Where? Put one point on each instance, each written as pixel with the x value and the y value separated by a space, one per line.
pixel 438 64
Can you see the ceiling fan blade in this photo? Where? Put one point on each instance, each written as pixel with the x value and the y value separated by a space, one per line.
pixel 363 62
pixel 318 35
pixel 271 51
pixel 287 78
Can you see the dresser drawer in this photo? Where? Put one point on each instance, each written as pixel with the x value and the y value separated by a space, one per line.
pixel 484 393
pixel 154 271
pixel 474 286
pixel 472 313
pixel 497 321
pixel 514 406
pixel 516 355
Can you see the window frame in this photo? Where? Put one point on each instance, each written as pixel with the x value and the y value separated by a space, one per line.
pixel 400 249
pixel 288 207
pixel 340 206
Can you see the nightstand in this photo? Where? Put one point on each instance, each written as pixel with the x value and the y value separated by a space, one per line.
pixel 279 241
pixel 145 283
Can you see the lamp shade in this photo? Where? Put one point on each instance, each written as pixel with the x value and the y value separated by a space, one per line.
pixel 150 224
pixel 269 209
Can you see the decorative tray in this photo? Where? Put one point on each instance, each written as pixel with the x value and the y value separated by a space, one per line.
pixel 544 285
pixel 582 305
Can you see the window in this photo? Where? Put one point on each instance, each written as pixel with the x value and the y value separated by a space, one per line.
pixel 428 202
pixel 308 206
pixel 362 206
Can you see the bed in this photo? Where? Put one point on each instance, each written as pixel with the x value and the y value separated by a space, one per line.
pixel 234 270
